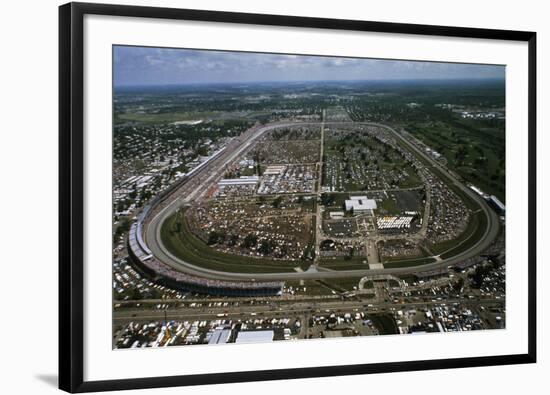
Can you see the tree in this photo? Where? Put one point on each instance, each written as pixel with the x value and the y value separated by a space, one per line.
pixel 250 241
pixel 277 202
pixel 216 237
pixel 459 284
pixel 136 294
pixel 233 240
pixel 327 199
pixel 460 155
pixel 202 150
pixel 268 246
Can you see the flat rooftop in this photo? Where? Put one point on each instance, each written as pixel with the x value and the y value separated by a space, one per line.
pixel 255 336
pixel 360 203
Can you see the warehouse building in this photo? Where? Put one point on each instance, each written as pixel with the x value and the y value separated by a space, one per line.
pixel 243 180
pixel 260 336
pixel 360 205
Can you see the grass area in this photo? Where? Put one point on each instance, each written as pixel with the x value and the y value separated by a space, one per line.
pixel 163 117
pixel 413 179
pixel 327 287
pixel 334 199
pixel 308 203
pixel 408 262
pixel 312 287
pixel 388 206
pixel 342 284
pixel 356 263
pixel 186 246
pixel 476 226
pixel 469 237
pixel 337 267
pixel 340 263
pixel 368 284
pixel 385 323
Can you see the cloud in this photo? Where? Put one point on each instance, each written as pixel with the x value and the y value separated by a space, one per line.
pixel 144 65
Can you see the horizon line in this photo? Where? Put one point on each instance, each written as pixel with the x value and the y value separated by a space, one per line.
pixel 180 84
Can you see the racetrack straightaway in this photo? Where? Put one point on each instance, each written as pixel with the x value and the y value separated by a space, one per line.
pixel 153 226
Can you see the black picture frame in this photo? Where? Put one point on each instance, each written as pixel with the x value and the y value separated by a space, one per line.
pixel 71 195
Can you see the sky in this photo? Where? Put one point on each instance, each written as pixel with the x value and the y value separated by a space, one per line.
pixel 166 66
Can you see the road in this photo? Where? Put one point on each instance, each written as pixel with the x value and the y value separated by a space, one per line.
pixel 153 239
pixel 318 192
pixel 121 316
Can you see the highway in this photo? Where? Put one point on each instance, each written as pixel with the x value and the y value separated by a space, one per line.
pixel 124 315
pixel 237 147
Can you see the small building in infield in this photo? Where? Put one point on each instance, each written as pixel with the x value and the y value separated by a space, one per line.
pixel 360 205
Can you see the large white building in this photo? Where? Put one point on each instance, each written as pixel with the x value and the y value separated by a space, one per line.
pixel 243 180
pixel 360 204
pixel 260 336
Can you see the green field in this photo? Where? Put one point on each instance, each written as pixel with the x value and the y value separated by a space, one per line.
pixel 408 262
pixel 389 207
pixel 313 287
pixel 473 232
pixel 470 236
pixel 159 118
pixel 186 246
pixel 342 284
pixel 341 263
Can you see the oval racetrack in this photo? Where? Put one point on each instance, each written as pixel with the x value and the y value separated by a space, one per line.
pixel 194 185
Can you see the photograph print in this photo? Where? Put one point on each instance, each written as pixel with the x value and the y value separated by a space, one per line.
pixel 261 197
